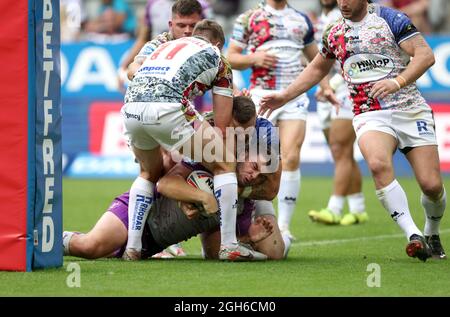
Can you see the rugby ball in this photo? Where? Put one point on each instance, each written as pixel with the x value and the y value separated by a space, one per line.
pixel 204 181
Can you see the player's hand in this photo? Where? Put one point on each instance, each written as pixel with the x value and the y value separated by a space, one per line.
pixel 122 79
pixel 329 96
pixel 264 59
pixel 260 229
pixel 270 103
pixel 383 88
pixel 210 204
pixel 319 95
pixel 189 209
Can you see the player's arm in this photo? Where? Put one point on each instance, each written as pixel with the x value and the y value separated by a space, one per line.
pixel 173 185
pixel 310 76
pixel 422 60
pixel 142 38
pixel 310 52
pixel 222 95
pixel 241 61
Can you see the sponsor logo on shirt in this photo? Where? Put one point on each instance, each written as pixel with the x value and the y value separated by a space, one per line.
pixel 363 68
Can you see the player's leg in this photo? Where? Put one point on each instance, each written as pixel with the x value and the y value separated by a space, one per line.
pixel 208 146
pixel 211 244
pixel 355 199
pixel 292 134
pixel 141 198
pixel 424 161
pixel 341 139
pixel 273 246
pixel 142 123
pixel 347 178
pixel 108 235
pixel 377 148
pixel 276 246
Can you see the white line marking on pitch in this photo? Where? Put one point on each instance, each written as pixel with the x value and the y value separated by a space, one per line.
pixel 339 241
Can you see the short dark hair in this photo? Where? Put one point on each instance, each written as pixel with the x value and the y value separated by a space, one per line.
pixel 211 29
pixel 187 7
pixel 243 109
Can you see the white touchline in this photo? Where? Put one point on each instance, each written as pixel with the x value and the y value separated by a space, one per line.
pixel 340 241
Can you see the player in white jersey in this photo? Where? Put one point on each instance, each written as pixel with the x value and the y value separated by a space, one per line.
pixel 158 112
pixel 374 46
pixel 340 136
pixel 179 19
pixel 275 35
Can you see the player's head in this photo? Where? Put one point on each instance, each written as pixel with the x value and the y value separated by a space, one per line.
pixel 244 112
pixel 354 10
pixel 210 30
pixel 185 14
pixel 328 4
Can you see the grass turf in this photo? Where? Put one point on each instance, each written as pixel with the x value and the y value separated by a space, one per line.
pixel 324 261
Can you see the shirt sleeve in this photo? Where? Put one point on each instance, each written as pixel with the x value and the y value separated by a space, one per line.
pixel 399 23
pixel 152 45
pixel 241 34
pixel 223 84
pixel 309 37
pixel 326 51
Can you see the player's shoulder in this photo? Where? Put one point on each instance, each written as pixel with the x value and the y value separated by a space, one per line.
pixel 163 37
pixel 391 15
pixel 333 27
pixel 249 14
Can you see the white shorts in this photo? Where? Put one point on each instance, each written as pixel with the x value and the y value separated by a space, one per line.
pixel 150 124
pixel 296 109
pixel 326 112
pixel 411 128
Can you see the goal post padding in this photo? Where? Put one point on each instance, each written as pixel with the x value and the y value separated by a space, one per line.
pixel 30 135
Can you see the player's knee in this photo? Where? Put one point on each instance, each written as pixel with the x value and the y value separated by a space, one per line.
pixel 290 161
pixel 431 188
pixel 378 166
pixel 341 151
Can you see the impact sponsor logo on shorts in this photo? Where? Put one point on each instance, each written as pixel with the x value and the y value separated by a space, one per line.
pixel 132 116
pixel 363 68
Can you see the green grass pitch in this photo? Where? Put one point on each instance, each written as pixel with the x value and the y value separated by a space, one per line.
pixel 324 261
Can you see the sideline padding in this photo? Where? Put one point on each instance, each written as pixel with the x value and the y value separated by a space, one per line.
pixel 30 135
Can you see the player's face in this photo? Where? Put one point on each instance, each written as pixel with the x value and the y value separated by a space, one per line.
pixel 248 173
pixel 329 4
pixel 182 26
pixel 354 10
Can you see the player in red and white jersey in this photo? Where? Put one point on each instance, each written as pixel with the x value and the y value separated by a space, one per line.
pixel 374 46
pixel 339 133
pixel 274 36
pixel 158 112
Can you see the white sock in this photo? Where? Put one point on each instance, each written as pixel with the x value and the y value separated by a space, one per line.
pixel 141 200
pixel 287 244
pixel 287 197
pixel 394 200
pixel 67 235
pixel 225 190
pixel 434 210
pixel 336 204
pixel 356 203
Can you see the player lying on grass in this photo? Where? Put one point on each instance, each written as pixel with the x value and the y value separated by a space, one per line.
pixel 109 233
pixel 170 222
